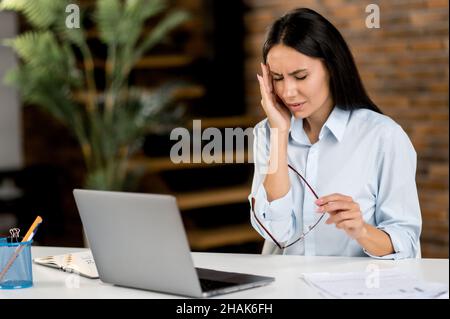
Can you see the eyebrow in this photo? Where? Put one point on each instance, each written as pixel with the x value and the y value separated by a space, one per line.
pixel 292 73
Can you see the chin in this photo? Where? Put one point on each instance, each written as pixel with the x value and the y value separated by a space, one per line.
pixel 299 115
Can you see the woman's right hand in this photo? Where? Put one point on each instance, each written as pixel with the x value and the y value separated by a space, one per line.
pixel 278 115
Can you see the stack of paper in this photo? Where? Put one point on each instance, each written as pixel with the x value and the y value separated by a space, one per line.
pixel 379 284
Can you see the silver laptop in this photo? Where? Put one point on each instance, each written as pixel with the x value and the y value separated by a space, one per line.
pixel 138 240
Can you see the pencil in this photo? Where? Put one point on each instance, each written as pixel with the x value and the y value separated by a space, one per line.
pixel 30 233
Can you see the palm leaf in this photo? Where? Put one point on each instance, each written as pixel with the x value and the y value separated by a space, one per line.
pixel 40 13
pixel 108 15
pixel 159 32
pixel 42 51
pixel 39 89
pixel 144 9
pixel 136 13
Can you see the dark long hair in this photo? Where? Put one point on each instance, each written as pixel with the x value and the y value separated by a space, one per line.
pixel 311 34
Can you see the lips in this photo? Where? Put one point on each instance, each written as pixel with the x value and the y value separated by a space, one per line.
pixel 296 106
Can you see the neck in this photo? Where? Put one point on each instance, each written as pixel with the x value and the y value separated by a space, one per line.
pixel 315 121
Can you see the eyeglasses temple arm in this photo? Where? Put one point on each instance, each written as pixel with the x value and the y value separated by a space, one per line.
pixel 267 232
pixel 307 184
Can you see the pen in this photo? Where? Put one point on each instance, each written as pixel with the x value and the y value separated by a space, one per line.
pixel 28 236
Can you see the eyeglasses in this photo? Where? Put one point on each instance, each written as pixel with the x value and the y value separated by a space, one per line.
pixel 308 229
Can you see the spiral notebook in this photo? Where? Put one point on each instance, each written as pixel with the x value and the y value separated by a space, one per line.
pixel 81 263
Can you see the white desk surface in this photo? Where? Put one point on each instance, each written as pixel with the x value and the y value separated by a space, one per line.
pixel 56 284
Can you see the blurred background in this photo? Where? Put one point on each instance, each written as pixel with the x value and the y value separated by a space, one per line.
pixel 202 67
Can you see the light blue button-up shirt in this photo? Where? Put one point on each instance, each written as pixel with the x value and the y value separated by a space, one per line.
pixel 360 153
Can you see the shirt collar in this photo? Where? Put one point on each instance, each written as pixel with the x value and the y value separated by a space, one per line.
pixel 336 124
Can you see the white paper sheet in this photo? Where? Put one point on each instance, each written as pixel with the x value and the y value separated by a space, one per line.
pixel 374 284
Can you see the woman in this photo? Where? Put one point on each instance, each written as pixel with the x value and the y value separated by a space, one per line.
pixel 326 150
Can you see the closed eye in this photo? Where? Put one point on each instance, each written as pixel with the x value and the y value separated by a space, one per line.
pixel 295 77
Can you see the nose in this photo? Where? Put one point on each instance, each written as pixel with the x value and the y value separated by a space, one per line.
pixel 290 90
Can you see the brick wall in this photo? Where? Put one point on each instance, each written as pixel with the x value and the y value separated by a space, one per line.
pixel 404 66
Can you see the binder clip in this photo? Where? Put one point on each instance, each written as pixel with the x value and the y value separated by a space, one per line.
pixel 14 238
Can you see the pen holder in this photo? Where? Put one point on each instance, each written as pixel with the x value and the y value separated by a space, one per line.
pixel 15 264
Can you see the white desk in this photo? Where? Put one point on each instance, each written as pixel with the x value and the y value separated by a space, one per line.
pixel 53 283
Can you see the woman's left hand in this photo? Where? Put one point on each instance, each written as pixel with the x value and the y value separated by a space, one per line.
pixel 344 213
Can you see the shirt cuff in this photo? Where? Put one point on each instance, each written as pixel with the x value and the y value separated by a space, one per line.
pixel 278 209
pixel 399 251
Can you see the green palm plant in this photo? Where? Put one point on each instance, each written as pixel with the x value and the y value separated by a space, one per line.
pixel 110 124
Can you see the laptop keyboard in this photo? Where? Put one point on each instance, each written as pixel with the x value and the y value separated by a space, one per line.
pixel 208 285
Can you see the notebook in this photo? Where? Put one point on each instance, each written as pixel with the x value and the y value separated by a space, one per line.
pixel 81 263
